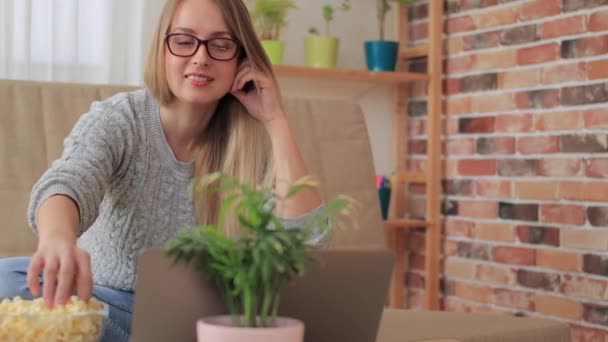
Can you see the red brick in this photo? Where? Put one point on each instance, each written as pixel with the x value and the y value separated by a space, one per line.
pixel 493 188
pixel 460 24
pixel 460 268
pixel 472 292
pixel 575 286
pixel 493 102
pixel 480 41
pixel 538 54
pixel 585 191
pixel 541 98
pixel 519 78
pixel 580 333
pixel 451 128
pixel 596 167
pixel 451 167
pixel 453 45
pixel 539 190
pixel 496 17
pixel 416 127
pixel 496 59
pixel 583 143
pixel 514 123
pixel 564 73
pixel 453 304
pixel 592 239
pixel 494 232
pixel 539 9
pixel 557 306
pixel 460 146
pixel 557 121
pixel 518 167
pixel 538 144
pixel 450 248
pixel 567 214
pixel 458 105
pixel 538 235
pixel 459 228
pixel 558 260
pixel 451 86
pixel 560 167
pixel 419 30
pixel 598 21
pixel 476 124
pixel 581 47
pixel 496 145
pixel 477 167
pixel 597 69
pixel 460 64
pixel 562 27
pixel 478 209
pixel 495 274
pixel 512 299
pixel 513 255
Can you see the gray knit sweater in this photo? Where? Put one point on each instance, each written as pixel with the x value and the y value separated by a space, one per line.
pixel 131 191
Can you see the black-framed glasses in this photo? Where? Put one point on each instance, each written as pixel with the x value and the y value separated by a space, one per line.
pixel 186 45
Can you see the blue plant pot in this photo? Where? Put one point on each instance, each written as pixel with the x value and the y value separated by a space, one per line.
pixel 381 55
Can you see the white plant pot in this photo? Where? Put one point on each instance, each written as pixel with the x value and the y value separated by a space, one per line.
pixel 222 329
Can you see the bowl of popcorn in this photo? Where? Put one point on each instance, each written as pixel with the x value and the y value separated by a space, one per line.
pixel 30 320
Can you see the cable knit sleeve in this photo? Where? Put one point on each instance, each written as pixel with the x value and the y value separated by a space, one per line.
pixel 93 152
pixel 317 221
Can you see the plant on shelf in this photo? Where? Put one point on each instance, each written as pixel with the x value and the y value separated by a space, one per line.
pixel 269 18
pixel 384 7
pixel 251 267
pixel 322 50
pixel 381 55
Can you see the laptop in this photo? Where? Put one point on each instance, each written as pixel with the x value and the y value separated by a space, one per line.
pixel 341 297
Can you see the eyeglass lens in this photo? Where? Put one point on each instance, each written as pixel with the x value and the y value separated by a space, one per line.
pixel 185 45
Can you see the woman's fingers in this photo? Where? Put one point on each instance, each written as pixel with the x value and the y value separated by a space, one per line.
pixel 65 279
pixel 84 277
pixel 33 272
pixel 51 268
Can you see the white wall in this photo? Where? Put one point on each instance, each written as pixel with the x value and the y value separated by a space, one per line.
pixel 353 28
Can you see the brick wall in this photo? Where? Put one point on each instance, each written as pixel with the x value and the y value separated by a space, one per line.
pixel 526 146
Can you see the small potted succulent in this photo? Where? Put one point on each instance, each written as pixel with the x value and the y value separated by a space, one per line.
pixel 252 267
pixel 381 55
pixel 269 18
pixel 322 50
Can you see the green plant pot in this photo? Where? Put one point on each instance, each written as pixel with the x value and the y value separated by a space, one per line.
pixel 274 50
pixel 321 51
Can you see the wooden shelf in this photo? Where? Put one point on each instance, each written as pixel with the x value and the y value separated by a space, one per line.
pixel 354 75
pixel 414 51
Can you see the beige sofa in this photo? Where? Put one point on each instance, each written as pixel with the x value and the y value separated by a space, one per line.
pixel 35 118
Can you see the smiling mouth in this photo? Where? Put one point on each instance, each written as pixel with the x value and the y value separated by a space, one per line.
pixel 197 78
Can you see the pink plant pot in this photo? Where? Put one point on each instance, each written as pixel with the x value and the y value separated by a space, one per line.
pixel 222 329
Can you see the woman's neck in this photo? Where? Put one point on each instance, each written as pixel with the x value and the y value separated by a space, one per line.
pixel 182 125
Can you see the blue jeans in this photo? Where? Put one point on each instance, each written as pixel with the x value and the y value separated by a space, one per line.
pixel 117 327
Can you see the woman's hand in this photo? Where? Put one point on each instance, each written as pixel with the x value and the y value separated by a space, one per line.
pixel 64 267
pixel 264 103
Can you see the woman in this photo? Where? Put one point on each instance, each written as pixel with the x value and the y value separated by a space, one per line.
pixel 121 184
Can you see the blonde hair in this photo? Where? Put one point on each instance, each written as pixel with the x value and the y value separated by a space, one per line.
pixel 234 142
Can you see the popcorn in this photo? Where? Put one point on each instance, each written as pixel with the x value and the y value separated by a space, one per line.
pixel 31 321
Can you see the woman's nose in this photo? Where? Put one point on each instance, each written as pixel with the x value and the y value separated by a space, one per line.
pixel 201 56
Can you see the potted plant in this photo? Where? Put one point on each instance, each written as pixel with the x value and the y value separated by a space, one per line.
pixel 269 17
pixel 381 55
pixel 322 50
pixel 250 268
